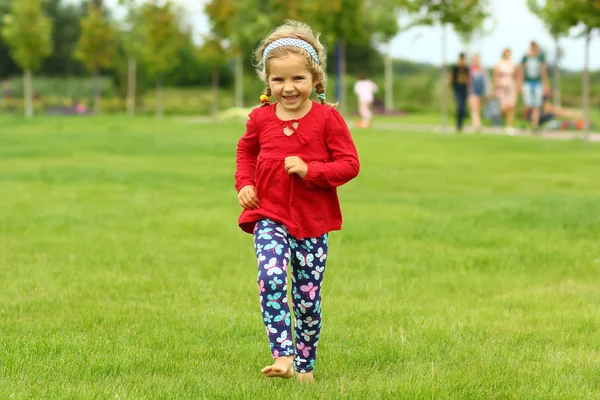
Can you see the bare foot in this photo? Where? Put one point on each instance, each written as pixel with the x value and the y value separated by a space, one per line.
pixel 282 368
pixel 306 377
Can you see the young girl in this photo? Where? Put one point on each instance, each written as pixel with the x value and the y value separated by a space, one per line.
pixel 294 154
pixel 364 89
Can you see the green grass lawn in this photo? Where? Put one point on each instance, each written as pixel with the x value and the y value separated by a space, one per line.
pixel 467 268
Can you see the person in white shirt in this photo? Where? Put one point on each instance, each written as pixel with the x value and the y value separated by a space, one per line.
pixel 364 89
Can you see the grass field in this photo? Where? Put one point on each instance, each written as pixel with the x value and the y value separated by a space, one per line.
pixel 467 268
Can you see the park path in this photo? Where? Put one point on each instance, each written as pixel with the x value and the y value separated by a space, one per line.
pixel 549 134
pixel 557 135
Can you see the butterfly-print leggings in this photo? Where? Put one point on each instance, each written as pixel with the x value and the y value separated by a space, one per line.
pixel 275 250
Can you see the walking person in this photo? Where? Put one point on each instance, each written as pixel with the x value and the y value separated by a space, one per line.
pixel 459 80
pixel 533 81
pixel 505 88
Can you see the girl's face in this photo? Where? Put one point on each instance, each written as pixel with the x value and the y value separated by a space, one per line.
pixel 507 54
pixel 291 83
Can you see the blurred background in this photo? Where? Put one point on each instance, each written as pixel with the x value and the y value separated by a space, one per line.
pixel 190 57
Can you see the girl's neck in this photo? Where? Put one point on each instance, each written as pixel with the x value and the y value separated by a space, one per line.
pixel 285 115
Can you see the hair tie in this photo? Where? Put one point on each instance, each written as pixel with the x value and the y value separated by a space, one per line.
pixel 291 42
pixel 321 96
pixel 265 99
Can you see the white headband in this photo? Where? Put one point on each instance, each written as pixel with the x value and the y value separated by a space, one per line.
pixel 291 42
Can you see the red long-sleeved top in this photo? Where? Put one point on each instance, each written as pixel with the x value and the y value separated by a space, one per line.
pixel 308 207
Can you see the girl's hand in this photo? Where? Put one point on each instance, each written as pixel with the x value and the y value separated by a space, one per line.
pixel 295 165
pixel 247 198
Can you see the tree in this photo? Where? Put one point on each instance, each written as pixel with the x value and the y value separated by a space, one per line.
pixel 96 47
pixel 214 51
pixel 382 20
pixel 585 13
pixel 465 16
pixel 27 32
pixel 557 21
pixel 132 43
pixel 160 27
pixel 346 24
pixel 65 16
pixel 8 66
pixel 230 24
pixel 66 31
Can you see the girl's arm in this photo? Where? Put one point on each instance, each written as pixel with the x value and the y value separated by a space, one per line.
pixel 247 155
pixel 345 165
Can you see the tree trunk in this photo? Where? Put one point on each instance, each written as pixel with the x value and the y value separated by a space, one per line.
pixel 28 94
pixel 96 92
pixel 389 84
pixel 239 81
pixel 586 86
pixel 131 83
pixel 215 93
pixel 444 92
pixel 343 107
pixel 159 99
pixel 556 90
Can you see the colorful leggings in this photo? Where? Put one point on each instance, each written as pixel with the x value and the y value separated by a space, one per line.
pixel 275 250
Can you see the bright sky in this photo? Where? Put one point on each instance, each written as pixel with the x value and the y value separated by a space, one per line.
pixel 515 27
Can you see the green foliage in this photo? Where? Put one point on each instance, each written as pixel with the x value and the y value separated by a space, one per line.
pixel 213 51
pixel 465 16
pixel 71 87
pixel 585 12
pixel 162 37
pixel 66 30
pixel 243 24
pixel 27 32
pixel 381 17
pixel 8 66
pixel 65 16
pixel 554 14
pixel 221 14
pixel 344 21
pixel 97 41
pixel 194 67
pixel 570 89
pixel 132 33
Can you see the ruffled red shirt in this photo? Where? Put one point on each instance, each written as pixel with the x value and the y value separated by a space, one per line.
pixel 308 207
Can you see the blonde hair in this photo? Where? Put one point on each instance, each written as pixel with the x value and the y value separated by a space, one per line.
pixel 295 30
